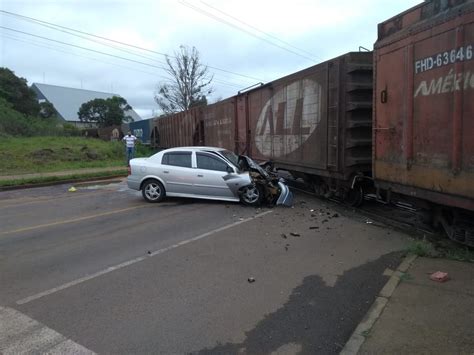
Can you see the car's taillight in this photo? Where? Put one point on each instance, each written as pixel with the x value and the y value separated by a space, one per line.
pixel 129 170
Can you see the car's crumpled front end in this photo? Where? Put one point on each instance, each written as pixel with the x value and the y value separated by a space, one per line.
pixel 273 187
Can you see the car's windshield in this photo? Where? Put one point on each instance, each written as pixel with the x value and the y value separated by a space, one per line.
pixel 230 156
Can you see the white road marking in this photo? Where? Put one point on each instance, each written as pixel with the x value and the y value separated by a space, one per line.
pixel 20 334
pixel 73 220
pixel 134 261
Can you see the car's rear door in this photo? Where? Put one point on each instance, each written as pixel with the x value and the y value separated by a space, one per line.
pixel 211 172
pixel 177 172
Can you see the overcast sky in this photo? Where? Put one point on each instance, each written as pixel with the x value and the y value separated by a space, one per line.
pixel 243 42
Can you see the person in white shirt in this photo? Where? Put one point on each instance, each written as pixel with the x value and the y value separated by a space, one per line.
pixel 129 140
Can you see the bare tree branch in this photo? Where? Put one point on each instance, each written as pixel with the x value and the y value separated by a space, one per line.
pixel 190 82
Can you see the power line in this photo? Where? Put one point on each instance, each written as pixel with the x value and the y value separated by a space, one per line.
pixel 217 81
pixel 80 47
pixel 96 41
pixel 119 42
pixel 220 19
pixel 43 45
pixel 256 29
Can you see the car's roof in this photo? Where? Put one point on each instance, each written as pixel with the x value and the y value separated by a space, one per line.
pixel 195 148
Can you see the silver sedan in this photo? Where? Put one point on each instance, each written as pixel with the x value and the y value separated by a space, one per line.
pixel 196 172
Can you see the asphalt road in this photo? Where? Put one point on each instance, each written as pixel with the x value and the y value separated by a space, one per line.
pixel 100 270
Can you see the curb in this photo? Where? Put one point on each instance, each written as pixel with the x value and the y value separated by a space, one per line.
pixel 357 338
pixel 60 182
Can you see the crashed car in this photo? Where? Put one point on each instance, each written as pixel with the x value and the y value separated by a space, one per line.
pixel 207 173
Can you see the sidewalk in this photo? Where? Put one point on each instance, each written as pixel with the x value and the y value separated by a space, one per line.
pixel 424 316
pixel 63 173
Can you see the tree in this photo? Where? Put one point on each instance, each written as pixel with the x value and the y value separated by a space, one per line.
pixel 16 91
pixel 189 82
pixel 47 110
pixel 105 112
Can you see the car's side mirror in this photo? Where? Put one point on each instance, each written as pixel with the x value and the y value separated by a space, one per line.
pixel 229 169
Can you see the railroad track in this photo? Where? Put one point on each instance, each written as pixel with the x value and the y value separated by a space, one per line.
pixel 401 216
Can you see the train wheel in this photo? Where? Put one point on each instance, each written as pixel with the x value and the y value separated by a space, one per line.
pixel 355 196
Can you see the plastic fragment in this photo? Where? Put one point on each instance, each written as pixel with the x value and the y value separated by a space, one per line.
pixel 72 189
pixel 439 276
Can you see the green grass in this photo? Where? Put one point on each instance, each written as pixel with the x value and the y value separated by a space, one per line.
pixel 422 248
pixel 23 155
pixel 50 179
pixel 405 276
pixel 444 248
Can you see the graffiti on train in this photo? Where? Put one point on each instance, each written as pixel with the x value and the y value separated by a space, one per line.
pixel 288 118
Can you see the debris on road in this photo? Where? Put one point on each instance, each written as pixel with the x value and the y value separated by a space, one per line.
pixel 72 189
pixel 283 235
pixel 250 280
pixel 439 276
pixel 369 222
pixel 295 234
pixel 313 227
pixel 149 252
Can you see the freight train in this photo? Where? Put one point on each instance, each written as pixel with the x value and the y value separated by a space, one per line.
pixel 396 123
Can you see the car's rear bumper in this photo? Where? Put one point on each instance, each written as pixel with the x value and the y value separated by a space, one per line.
pixel 133 182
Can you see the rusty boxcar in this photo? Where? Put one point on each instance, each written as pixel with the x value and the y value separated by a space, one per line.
pixel 423 128
pixel 315 123
pixel 211 125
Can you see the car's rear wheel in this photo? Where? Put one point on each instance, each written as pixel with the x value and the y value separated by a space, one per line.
pixel 153 191
pixel 251 195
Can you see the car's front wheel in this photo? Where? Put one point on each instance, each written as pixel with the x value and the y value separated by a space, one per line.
pixel 251 195
pixel 153 191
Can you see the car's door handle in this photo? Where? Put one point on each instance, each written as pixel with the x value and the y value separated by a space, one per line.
pixel 166 172
pixel 199 175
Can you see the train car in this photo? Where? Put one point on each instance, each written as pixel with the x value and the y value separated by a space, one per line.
pixel 178 130
pixel 211 125
pixel 316 123
pixel 423 127
pixel 142 130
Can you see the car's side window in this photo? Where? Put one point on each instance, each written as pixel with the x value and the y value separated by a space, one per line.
pixel 182 159
pixel 207 162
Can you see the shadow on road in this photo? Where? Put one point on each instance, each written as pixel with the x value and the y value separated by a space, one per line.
pixel 316 318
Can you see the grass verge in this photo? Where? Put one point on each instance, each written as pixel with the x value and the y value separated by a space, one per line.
pixel 5 184
pixel 24 155
pixel 441 249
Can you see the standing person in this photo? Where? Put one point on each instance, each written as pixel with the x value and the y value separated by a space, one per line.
pixel 129 140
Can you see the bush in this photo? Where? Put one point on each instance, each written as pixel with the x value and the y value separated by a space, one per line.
pixel 16 124
pixel 70 130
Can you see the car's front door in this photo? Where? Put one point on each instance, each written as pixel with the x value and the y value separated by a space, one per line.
pixel 177 172
pixel 211 172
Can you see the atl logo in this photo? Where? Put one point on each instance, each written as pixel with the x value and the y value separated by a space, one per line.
pixel 288 118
